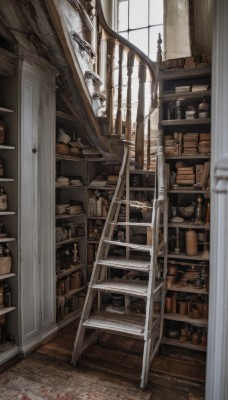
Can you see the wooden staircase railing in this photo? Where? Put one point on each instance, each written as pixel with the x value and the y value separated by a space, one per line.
pixel 129 71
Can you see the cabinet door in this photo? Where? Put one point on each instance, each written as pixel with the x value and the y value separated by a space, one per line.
pixel 37 200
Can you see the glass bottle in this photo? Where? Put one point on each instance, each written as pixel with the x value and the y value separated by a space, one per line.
pixel 199 210
pixel 203 108
pixel 179 109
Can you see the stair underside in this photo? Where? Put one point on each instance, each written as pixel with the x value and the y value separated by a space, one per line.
pixel 124 263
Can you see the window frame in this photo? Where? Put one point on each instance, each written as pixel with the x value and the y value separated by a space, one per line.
pixel 147 26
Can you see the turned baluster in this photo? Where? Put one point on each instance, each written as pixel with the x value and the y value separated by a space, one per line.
pixel 159 51
pixel 130 65
pixel 110 83
pixel 120 82
pixel 139 140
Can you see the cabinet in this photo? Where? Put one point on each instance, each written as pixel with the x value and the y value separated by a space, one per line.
pixel 184 121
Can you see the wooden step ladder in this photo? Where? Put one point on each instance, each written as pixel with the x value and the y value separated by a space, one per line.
pixel 142 278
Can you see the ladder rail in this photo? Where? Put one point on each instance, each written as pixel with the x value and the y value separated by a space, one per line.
pixel 152 323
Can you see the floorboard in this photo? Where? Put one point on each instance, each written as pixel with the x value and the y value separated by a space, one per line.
pixel 175 374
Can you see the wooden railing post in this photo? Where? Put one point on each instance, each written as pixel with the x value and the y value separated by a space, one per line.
pixel 130 65
pixel 139 140
pixel 110 83
pixel 120 83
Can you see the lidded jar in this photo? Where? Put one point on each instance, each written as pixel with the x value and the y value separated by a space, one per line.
pixel 204 108
pixel 199 210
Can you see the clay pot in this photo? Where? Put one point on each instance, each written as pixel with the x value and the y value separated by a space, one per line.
pixel 170 280
pixel 172 269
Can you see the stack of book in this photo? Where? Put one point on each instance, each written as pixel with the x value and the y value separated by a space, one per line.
pixel 204 146
pixel 173 144
pixel 190 62
pixel 182 89
pixel 200 88
pixel 202 174
pixel 185 176
pixel 190 143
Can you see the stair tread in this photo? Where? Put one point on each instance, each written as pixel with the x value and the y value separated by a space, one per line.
pixel 133 287
pixel 131 223
pixel 123 263
pixel 142 247
pixel 120 323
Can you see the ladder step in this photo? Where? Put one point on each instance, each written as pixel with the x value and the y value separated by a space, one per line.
pixel 134 246
pixel 121 324
pixel 125 263
pixel 146 224
pixel 124 286
pixel 133 203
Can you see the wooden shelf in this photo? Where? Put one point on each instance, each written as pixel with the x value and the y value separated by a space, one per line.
pixel 4 110
pixel 187 345
pixel 74 291
pixel 5 147
pixel 181 73
pixel 6 276
pixel 190 190
pixel 72 240
pixel 7 239
pixel 183 256
pixel 7 213
pixel 186 95
pixel 6 310
pixel 189 157
pixel 201 322
pixel 178 287
pixel 185 122
pixel 60 157
pixel 188 225
pixel 66 117
pixel 69 271
pixel 63 216
pixel 69 186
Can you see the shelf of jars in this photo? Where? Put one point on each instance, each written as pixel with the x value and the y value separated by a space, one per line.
pixel 70 281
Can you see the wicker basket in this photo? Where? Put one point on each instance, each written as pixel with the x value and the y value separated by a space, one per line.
pixel 5 265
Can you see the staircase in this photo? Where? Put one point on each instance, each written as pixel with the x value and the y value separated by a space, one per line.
pixel 110 88
pixel 122 92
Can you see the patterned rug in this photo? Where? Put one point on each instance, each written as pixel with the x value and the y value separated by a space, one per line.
pixel 40 379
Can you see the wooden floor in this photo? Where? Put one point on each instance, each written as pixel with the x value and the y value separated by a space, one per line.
pixel 175 374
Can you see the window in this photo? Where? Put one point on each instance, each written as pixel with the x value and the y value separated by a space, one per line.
pixel 140 21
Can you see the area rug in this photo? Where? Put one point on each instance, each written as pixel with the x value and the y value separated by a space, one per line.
pixel 39 379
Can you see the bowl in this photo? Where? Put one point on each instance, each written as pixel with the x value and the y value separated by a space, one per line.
pixel 187 211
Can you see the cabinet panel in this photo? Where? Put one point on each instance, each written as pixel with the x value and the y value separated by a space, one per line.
pixel 37 199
